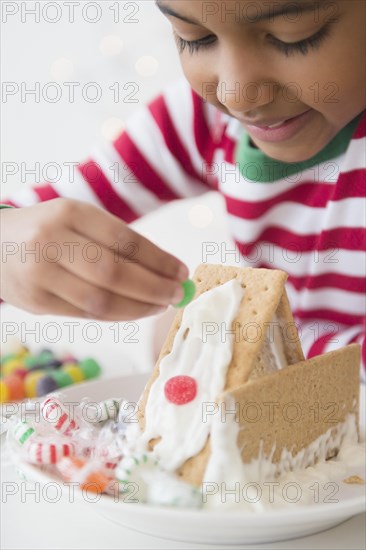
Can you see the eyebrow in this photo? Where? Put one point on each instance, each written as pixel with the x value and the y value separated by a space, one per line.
pixel 289 8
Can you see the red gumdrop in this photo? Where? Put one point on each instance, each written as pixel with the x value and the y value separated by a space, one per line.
pixel 22 373
pixel 16 387
pixel 180 389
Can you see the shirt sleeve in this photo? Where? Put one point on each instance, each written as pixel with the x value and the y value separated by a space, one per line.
pixel 160 156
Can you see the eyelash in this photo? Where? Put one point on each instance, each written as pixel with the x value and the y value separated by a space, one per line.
pixel 287 48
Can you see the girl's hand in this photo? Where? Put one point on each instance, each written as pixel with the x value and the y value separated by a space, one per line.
pixel 67 257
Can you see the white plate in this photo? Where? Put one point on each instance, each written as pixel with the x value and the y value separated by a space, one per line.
pixel 205 526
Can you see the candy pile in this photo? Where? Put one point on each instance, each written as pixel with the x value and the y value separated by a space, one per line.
pixel 24 374
pixel 88 444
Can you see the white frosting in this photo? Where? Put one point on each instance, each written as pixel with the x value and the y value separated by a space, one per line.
pixel 275 337
pixel 181 428
pixel 227 480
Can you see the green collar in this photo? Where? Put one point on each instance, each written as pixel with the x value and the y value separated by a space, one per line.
pixel 256 166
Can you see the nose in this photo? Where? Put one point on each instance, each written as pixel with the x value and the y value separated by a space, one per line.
pixel 242 85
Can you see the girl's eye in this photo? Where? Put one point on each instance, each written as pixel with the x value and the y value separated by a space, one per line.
pixel 302 46
pixel 287 48
pixel 194 45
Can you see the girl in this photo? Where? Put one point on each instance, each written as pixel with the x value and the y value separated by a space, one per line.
pixel 271 115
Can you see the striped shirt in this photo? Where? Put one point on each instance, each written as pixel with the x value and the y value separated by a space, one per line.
pixel 306 218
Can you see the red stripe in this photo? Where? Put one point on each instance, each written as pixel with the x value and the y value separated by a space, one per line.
pixel 203 138
pixel 92 173
pixel 355 339
pixel 39 453
pixel 350 185
pixel 307 194
pixel 330 315
pixel 325 280
pixel 72 425
pixel 360 131
pixel 318 346
pixel 229 146
pixel 48 407
pixel 10 203
pixel 328 280
pixel 46 192
pixel 61 421
pixel 66 449
pixel 332 240
pixel 53 456
pixel 159 111
pixel 142 170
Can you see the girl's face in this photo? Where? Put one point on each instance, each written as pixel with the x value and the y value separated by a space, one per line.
pixel 298 64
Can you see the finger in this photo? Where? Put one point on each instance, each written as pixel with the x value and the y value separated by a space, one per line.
pixel 108 230
pixel 53 305
pixel 101 268
pixel 92 301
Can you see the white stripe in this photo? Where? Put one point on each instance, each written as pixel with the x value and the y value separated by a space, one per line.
pixel 234 129
pixel 78 189
pixel 213 115
pixel 355 157
pixel 180 105
pixel 301 264
pixel 312 330
pixel 301 219
pixel 147 136
pixel 123 181
pixel 343 338
pixel 25 197
pixel 331 298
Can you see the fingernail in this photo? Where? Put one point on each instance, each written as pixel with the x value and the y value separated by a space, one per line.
pixel 178 295
pixel 183 272
pixel 189 289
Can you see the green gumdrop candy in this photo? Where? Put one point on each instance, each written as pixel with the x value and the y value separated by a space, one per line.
pixel 61 378
pixel 90 368
pixel 189 290
pixel 31 361
pixel 45 357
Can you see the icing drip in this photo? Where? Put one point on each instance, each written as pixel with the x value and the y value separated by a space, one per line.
pixel 202 349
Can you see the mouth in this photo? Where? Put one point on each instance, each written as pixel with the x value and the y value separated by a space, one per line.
pixel 277 129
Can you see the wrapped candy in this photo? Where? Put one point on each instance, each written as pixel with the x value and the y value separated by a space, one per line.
pixel 58 416
pixel 87 474
pixel 48 452
pixel 100 456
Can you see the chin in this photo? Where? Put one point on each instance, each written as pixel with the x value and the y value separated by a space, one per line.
pixel 291 156
pixel 285 153
pixel 305 148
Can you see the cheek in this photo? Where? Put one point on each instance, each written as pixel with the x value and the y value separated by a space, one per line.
pixel 332 79
pixel 200 76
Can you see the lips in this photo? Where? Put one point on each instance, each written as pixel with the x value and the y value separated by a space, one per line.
pixel 277 130
pixel 276 125
pixel 268 123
